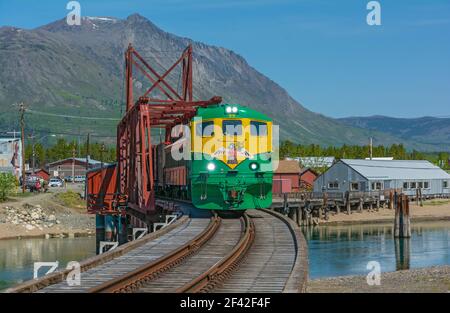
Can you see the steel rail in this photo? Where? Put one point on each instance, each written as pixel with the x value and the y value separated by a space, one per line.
pixel 224 268
pixel 131 281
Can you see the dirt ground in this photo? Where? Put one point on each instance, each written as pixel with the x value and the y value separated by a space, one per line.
pixel 67 220
pixel 438 209
pixel 426 280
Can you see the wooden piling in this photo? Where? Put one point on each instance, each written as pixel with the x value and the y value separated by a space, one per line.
pixel 347 202
pixel 391 200
pixel 402 225
pixel 324 205
pixel 361 204
pixel 420 197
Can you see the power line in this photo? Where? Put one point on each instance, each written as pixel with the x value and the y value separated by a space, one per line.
pixel 71 134
pixel 73 116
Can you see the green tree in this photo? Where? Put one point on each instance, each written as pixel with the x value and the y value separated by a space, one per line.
pixel 8 185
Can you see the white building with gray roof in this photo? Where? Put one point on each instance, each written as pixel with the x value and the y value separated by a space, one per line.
pixel 370 175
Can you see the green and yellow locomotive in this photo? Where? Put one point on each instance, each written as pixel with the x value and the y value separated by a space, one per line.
pixel 226 163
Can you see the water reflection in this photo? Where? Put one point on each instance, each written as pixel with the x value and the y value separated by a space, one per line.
pixel 18 256
pixel 346 250
pixel 402 253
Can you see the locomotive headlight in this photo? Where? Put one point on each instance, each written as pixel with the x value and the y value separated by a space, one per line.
pixel 234 109
pixel 211 166
pixel 254 166
pixel 228 110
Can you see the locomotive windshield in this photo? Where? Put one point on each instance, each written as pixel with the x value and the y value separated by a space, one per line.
pixel 258 128
pixel 205 129
pixel 232 127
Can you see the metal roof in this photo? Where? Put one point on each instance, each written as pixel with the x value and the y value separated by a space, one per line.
pixel 81 160
pixel 288 167
pixel 316 161
pixel 396 169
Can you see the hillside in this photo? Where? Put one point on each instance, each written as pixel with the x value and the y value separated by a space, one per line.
pixel 424 130
pixel 78 70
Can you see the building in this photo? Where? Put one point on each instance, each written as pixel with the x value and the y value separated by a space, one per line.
pixel 381 158
pixel 71 166
pixel 315 162
pixel 286 177
pixel 39 172
pixel 369 175
pixel 11 156
pixel 307 178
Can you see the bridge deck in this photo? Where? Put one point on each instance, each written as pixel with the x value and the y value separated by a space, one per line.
pixel 269 262
pixel 149 251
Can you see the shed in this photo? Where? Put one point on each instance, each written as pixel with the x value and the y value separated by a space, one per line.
pixel 72 166
pixel 307 178
pixel 40 172
pixel 369 175
pixel 286 177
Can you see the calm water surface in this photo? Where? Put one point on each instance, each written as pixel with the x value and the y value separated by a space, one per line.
pixel 17 256
pixel 346 250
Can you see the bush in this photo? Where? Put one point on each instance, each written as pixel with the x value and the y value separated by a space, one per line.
pixel 8 185
pixel 71 199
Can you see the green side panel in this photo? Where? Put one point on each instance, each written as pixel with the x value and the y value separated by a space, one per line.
pixel 219 111
pixel 225 189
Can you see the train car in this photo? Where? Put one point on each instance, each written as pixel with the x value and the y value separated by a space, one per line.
pixel 227 162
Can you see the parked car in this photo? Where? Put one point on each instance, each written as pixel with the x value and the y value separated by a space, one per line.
pixel 68 179
pixel 36 183
pixel 80 178
pixel 55 182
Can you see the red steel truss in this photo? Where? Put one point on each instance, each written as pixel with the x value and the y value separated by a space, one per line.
pixel 134 145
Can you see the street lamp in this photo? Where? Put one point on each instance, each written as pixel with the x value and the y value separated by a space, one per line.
pixel 33 146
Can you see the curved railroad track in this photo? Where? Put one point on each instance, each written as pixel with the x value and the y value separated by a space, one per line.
pixel 260 252
pixel 197 266
pixel 263 251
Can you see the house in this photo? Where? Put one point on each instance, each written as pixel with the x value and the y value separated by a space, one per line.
pixel 39 172
pixel 307 178
pixel 286 177
pixel 72 166
pixel 369 175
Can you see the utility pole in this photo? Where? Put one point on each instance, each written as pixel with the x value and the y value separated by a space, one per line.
pixel 22 127
pixel 87 168
pixel 33 152
pixel 102 150
pixel 87 152
pixel 73 164
pixel 370 147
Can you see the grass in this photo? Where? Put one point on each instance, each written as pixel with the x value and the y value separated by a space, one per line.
pixel 71 199
pixel 437 202
pixel 17 196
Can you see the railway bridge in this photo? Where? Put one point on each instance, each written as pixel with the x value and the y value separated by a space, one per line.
pixel 262 251
pixel 184 251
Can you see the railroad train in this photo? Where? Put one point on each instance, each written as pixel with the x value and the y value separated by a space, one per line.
pixel 221 161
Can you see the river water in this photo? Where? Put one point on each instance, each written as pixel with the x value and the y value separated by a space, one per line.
pixel 346 250
pixel 17 256
pixel 333 250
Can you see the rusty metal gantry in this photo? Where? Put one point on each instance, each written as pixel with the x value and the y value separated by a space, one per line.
pixel 134 145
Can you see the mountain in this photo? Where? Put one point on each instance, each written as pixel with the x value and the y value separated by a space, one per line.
pixel 78 70
pixel 425 130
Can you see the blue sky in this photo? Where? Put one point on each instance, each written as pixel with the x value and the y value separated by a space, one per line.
pixel 322 52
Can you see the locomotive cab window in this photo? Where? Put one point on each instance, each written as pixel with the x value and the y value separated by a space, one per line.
pixel 232 127
pixel 258 128
pixel 205 129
